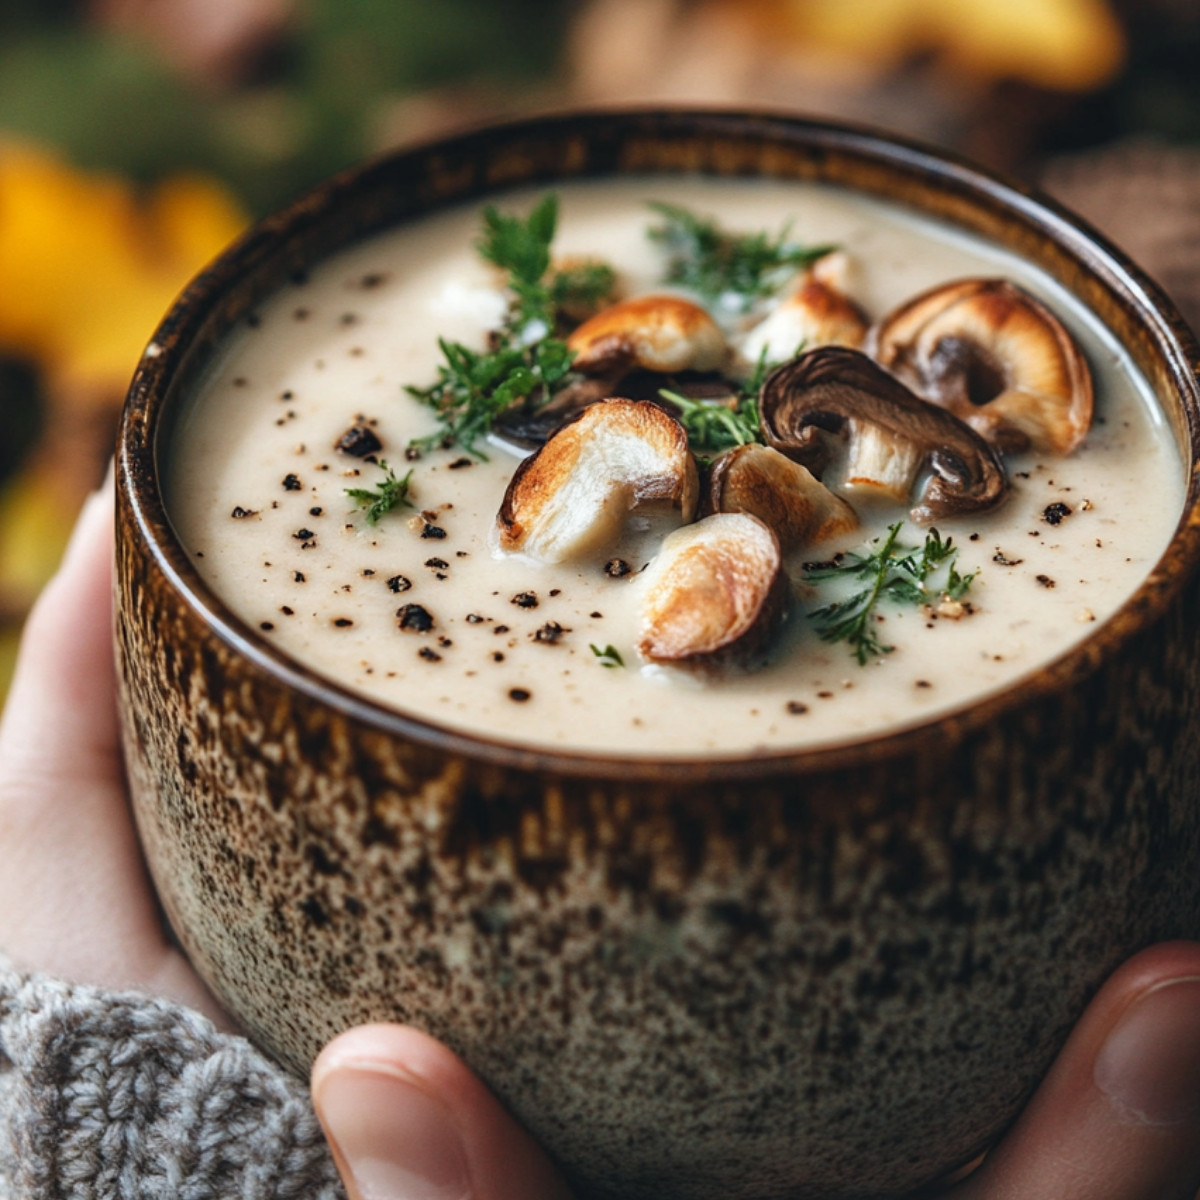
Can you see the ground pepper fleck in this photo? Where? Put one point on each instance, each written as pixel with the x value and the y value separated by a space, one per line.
pixel 358 441
pixel 520 695
pixel 413 618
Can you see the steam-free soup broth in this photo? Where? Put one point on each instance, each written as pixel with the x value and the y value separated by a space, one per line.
pixel 422 612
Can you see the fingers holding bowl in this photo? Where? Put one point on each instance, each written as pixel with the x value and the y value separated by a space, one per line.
pixel 74 897
pixel 405 1117
pixel 1118 1117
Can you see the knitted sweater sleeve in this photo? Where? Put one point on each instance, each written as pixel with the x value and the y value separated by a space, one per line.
pixel 119 1096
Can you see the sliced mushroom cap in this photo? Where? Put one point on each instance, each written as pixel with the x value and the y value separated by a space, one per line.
pixel 895 438
pixel 783 494
pixel 572 496
pixel 529 424
pixel 994 356
pixel 657 333
pixel 715 595
pixel 817 313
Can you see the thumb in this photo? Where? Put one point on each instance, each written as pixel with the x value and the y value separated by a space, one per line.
pixel 1118 1117
pixel 407 1120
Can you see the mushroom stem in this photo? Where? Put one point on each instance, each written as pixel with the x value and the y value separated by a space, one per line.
pixel 880 463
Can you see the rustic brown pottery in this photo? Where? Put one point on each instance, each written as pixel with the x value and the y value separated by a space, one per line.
pixel 836 973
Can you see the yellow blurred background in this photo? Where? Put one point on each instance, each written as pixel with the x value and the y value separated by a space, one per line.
pixel 137 137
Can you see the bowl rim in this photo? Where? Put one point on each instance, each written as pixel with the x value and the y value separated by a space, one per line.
pixel 140 496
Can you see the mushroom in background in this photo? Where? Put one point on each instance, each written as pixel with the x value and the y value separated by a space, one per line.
pixel 995 357
pixel 655 333
pixel 817 313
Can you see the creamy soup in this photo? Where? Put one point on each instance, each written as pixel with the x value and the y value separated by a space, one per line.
pixel 539 654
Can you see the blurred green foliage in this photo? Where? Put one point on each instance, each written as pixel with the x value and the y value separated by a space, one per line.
pixel 112 101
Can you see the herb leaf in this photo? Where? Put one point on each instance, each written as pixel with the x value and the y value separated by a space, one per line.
pixel 579 289
pixel 733 269
pixel 524 361
pixel 902 574
pixel 721 425
pixel 391 493
pixel 714 425
pixel 522 248
pixel 608 657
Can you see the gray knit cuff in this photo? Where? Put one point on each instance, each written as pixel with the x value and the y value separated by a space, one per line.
pixel 119 1096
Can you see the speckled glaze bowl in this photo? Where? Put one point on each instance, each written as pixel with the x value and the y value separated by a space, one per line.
pixel 835 973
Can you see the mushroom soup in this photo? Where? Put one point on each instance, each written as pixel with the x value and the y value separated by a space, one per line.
pixel 550 609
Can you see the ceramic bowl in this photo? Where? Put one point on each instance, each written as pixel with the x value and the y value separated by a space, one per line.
pixel 834 973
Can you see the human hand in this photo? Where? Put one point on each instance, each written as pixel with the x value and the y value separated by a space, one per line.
pixel 1118 1117
pixel 76 902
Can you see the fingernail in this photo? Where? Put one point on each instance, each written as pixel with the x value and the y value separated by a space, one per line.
pixel 396 1140
pixel 1149 1065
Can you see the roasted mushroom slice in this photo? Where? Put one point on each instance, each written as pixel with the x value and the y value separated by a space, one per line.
pixel 715 595
pixel 994 356
pixel 896 439
pixel 572 495
pixel 785 495
pixel 657 333
pixel 817 313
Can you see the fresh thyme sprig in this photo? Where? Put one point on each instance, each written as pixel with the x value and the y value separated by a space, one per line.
pixel 713 426
pixel 391 493
pixel 474 387
pixel 902 574
pixel 733 269
pixel 522 249
pixel 525 361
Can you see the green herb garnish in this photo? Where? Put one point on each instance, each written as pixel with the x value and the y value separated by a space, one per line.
pixel 902 574
pixel 580 289
pixel 524 362
pixel 721 425
pixel 733 269
pixel 522 249
pixel 608 657
pixel 391 493
pixel 716 426
pixel 474 387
